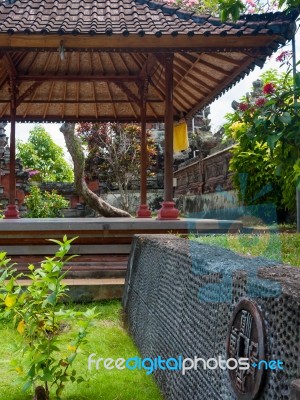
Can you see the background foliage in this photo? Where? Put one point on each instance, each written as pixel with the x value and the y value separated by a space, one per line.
pixel 44 204
pixel 42 154
pixel 265 129
pixel 114 156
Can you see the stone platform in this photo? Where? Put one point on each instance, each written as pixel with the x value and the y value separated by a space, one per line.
pixel 96 235
pixel 103 246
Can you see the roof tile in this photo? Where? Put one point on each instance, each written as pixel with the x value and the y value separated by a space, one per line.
pixel 126 17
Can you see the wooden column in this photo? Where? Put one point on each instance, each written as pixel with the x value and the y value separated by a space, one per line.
pixel 12 210
pixel 168 210
pixel 143 210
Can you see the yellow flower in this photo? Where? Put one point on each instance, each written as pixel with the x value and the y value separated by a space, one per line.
pixel 237 128
pixel 72 348
pixel 10 300
pixel 19 370
pixel 21 327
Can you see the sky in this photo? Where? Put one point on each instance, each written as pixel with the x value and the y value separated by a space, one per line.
pixel 219 108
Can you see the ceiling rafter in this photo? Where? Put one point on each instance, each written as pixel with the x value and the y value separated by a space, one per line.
pixel 9 65
pixel 197 69
pixel 109 91
pixel 137 61
pixel 227 59
pixel 78 85
pixel 150 106
pixel 123 61
pixel 28 92
pixel 121 56
pixel 218 89
pixel 204 87
pixel 149 66
pixel 188 67
pixel 4 109
pixel 63 108
pixel 32 61
pixel 179 72
pixel 214 67
pixel 65 89
pixel 31 98
pixel 42 101
pixel 3 80
pixel 128 92
pixel 51 87
pixel 188 85
pixel 79 78
pixel 93 85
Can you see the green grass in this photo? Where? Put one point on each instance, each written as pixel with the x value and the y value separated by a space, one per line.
pixel 107 339
pixel 283 247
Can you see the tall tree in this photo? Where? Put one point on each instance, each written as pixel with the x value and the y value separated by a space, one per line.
pixel 74 147
pixel 114 156
pixel 41 153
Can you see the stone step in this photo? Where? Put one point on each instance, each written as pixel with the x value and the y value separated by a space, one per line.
pixel 93 267
pixel 87 290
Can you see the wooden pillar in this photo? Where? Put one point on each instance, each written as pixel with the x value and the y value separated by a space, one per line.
pixel 168 210
pixel 143 210
pixel 12 210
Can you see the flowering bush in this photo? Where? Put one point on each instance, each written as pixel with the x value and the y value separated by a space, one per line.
pixel 232 8
pixel 261 101
pixel 44 205
pixel 269 88
pixel 270 123
pixel 34 176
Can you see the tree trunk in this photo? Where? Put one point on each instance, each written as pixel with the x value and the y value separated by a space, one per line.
pixel 41 393
pixel 74 147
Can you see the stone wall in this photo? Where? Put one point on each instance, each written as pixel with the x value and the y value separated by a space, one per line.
pixel 181 299
pixel 204 175
pixel 205 184
pixel 154 198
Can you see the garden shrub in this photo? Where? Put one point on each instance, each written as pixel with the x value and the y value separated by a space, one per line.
pixel 44 205
pixel 44 361
pixel 265 128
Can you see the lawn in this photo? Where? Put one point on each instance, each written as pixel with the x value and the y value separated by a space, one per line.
pixel 107 339
pixel 280 246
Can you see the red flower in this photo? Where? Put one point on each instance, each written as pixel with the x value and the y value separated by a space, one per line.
pixel 261 101
pixel 284 55
pixel 243 106
pixel 269 88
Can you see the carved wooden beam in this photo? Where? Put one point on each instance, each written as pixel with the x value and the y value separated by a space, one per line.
pixel 9 65
pixel 27 92
pixel 79 78
pixel 128 92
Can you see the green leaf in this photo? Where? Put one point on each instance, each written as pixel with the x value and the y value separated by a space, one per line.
pixel 27 386
pixel 51 299
pixel 285 118
pixel 31 372
pixel 47 376
pixel 71 358
pixel 224 15
pixel 52 286
pixel 297 80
